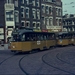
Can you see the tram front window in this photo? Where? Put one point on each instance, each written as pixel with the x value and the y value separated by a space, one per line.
pixel 16 38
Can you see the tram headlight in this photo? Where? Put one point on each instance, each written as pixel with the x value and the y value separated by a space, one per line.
pixel 13 46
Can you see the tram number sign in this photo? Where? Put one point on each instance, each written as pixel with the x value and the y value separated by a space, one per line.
pixel 72 39
pixel 38 42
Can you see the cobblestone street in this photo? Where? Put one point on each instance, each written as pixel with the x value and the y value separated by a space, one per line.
pixel 5 47
pixel 58 60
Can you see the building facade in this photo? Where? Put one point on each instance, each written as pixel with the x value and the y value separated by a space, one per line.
pixel 69 22
pixel 2 21
pixel 51 15
pixel 37 14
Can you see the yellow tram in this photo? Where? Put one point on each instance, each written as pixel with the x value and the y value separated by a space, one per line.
pixel 65 38
pixel 72 40
pixel 24 40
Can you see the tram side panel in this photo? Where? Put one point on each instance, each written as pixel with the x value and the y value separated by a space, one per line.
pixel 73 41
pixel 26 46
pixel 50 43
pixel 38 45
pixel 62 42
pixel 16 46
pixel 43 44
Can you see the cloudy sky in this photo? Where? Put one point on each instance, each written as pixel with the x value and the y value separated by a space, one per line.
pixel 68 6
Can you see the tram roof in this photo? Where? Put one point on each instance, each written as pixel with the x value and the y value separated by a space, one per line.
pixel 36 32
pixel 28 30
pixel 61 33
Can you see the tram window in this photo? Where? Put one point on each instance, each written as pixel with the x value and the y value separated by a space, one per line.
pixel 23 37
pixel 31 37
pixel 48 37
pixel 66 36
pixel 63 36
pixel 53 36
pixel 38 37
pixel 73 36
pixel 34 37
pixel 45 37
pixel 60 37
pixel 28 37
pixel 16 38
pixel 41 37
pixel 69 36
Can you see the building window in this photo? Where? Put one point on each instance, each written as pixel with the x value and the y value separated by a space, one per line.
pixel 47 21
pixel 43 0
pixel 27 12
pixel 37 3
pixel 16 3
pixel 34 24
pixel 22 1
pixel 22 23
pixel 38 14
pixel 38 25
pixel 50 21
pixel 57 11
pixel 22 12
pixel 9 1
pixel 60 22
pixel 27 24
pixel 57 22
pixel 50 10
pixel 47 9
pixel 27 2
pixel 43 20
pixel 10 15
pixel 43 8
pixel 72 29
pixel 33 2
pixel 48 0
pixel 17 16
pixel 68 29
pixel 34 13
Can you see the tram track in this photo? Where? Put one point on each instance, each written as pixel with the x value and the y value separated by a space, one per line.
pixel 54 54
pixel 44 61
pixel 57 56
pixel 7 59
pixel 20 65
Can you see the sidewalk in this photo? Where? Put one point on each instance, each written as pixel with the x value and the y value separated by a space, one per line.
pixel 5 47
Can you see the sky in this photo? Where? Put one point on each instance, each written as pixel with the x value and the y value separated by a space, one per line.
pixel 68 6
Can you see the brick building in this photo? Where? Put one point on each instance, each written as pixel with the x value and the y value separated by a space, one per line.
pixel 69 22
pixel 51 15
pixel 37 14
